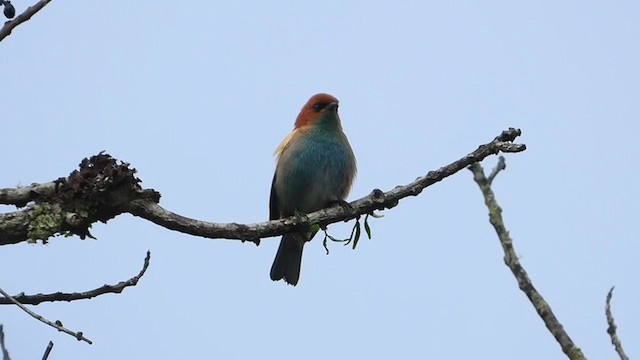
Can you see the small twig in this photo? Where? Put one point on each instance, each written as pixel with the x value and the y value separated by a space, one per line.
pixel 47 351
pixel 5 353
pixel 60 296
pixel 611 330
pixel 501 165
pixel 74 296
pixel 26 15
pixel 57 325
pixel 511 260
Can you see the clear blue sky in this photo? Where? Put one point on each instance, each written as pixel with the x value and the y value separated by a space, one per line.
pixel 197 96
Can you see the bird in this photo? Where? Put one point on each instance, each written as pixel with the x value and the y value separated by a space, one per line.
pixel 315 168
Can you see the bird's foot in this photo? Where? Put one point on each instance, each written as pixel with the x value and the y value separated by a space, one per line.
pixel 345 206
pixel 300 217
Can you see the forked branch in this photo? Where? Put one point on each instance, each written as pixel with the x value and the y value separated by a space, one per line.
pixel 511 260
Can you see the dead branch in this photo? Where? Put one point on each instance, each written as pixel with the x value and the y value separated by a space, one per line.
pixel 25 16
pixel 102 188
pixel 511 260
pixel 612 328
pixel 60 296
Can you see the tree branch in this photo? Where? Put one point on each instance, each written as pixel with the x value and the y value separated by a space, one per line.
pixel 47 351
pixel 502 164
pixel 102 189
pixel 611 330
pixel 511 260
pixel 5 352
pixel 60 296
pixel 25 16
pixel 57 324
pixel 22 195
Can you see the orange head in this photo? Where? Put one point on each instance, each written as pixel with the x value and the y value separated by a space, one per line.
pixel 318 106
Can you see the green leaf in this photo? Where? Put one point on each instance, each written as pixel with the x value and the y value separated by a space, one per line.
pixel 366 227
pixel 355 240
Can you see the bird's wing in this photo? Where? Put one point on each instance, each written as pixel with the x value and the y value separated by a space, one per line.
pixel 274 210
pixel 292 135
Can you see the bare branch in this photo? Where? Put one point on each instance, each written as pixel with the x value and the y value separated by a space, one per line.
pixel 25 16
pixel 102 189
pixel 5 352
pixel 60 296
pixel 611 330
pixel 47 351
pixel 57 324
pixel 377 200
pixel 511 260
pixel 496 170
pixel 21 195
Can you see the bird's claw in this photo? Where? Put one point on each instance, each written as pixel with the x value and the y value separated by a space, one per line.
pixel 345 206
pixel 300 217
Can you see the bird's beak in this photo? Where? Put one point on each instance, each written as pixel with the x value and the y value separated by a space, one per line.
pixel 333 107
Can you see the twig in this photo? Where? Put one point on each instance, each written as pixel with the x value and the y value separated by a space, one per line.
pixel 36 299
pixel 5 353
pixel 57 325
pixel 611 330
pixel 26 15
pixel 59 296
pixel 511 260
pixel 47 351
pixel 501 165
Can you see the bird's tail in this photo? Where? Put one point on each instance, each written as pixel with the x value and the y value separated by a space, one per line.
pixel 286 265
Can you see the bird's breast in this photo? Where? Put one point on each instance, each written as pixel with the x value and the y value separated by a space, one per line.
pixel 313 170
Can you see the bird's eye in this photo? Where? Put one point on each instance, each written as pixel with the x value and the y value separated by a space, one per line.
pixel 319 106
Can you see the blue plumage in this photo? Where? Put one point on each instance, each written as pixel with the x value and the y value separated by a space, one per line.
pixel 316 168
